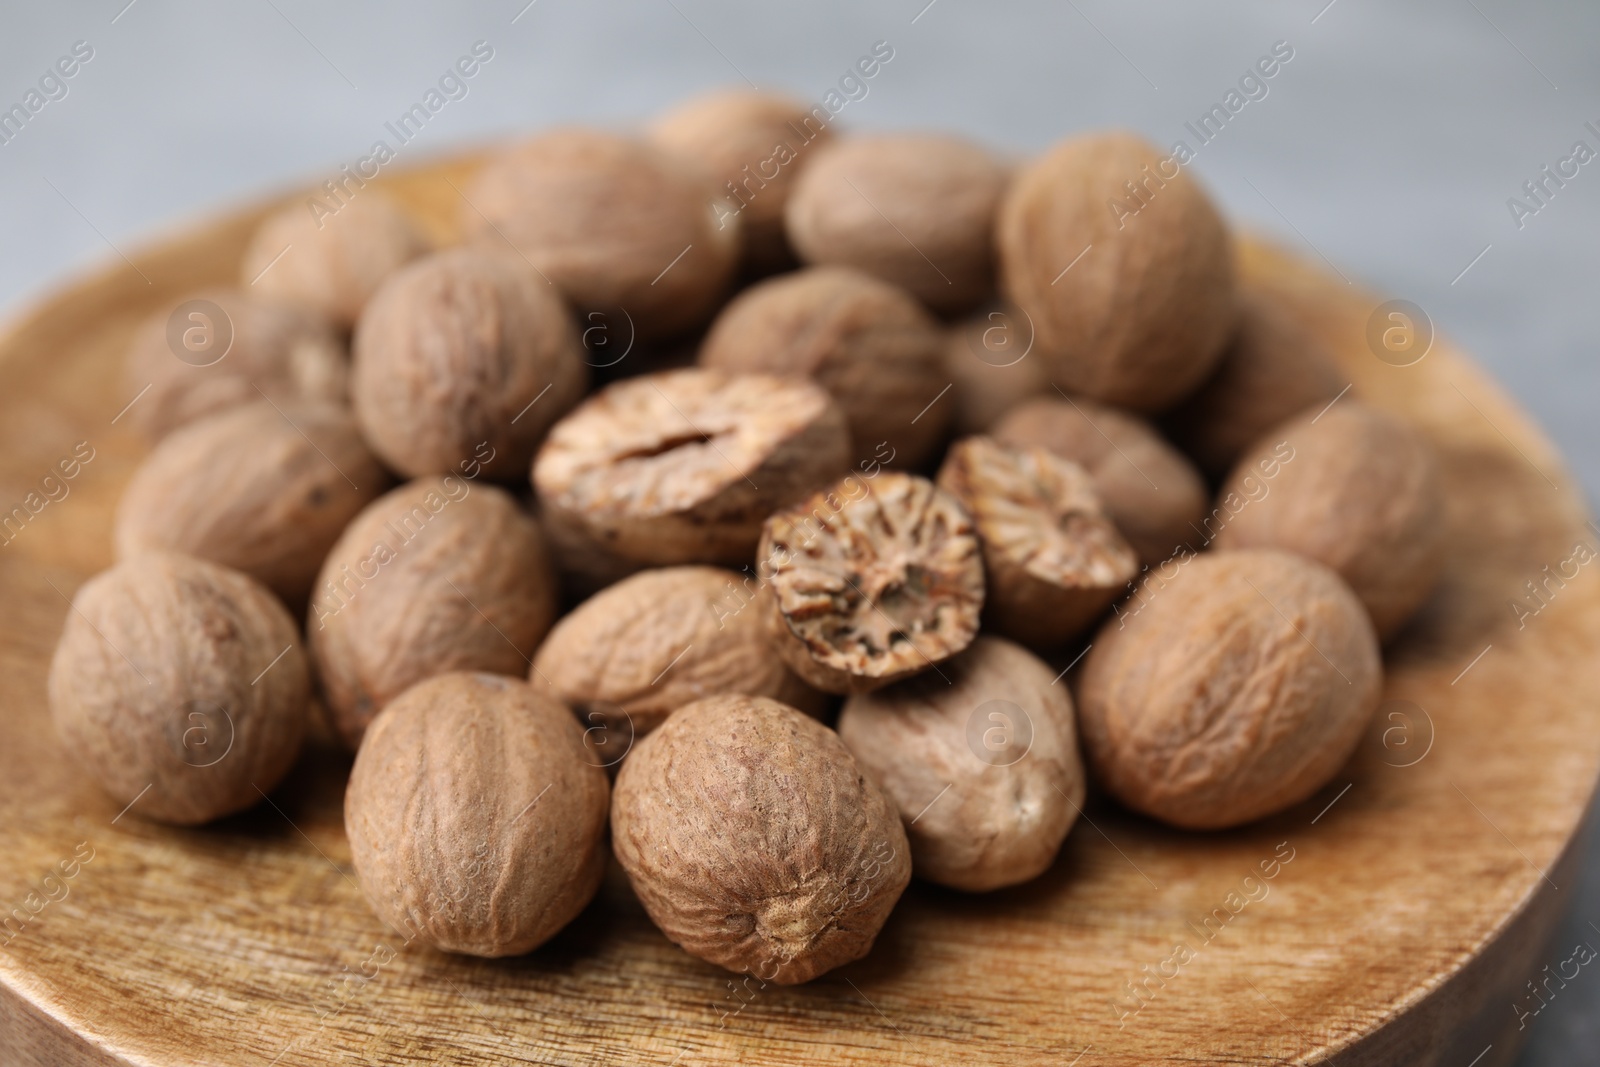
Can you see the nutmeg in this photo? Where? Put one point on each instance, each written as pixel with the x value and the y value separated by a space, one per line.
pixel 180 687
pixel 331 252
pixel 465 351
pixel 436 576
pixel 1352 488
pixel 866 342
pixel 263 488
pixel 1155 495
pixel 1124 266
pixel 755 842
pixel 476 823
pixel 983 764
pixel 990 363
pixel 1228 689
pixel 917 210
pixel 618 225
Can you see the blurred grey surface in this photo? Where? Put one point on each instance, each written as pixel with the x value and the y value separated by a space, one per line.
pixel 1389 145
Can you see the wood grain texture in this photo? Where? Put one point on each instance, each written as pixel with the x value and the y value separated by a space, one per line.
pixel 1403 931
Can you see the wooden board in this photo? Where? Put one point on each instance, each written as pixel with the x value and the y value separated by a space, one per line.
pixel 1423 886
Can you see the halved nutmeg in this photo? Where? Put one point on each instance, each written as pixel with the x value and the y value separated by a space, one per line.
pixel 871 581
pixel 682 467
pixel 1055 560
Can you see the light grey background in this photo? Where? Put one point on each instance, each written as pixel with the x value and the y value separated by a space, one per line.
pixel 1389 144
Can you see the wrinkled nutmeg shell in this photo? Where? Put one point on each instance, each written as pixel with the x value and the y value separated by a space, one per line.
pixel 436 576
pixel 476 822
pixel 983 765
pixel 1233 685
pixel 916 210
pixel 1352 488
pixel 1053 560
pixel 1153 494
pixel 465 354
pixel 755 841
pixel 184 678
pixel 869 344
pixel 1143 316
pixel 263 488
pixel 871 581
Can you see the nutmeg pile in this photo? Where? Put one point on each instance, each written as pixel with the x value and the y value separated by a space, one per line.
pixel 783 512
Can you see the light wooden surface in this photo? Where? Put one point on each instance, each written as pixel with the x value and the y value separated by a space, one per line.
pixel 1414 911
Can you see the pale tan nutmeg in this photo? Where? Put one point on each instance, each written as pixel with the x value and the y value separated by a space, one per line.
pixel 619 225
pixel 982 763
pixel 179 687
pixel 755 841
pixel 1141 318
pixel 1233 685
pixel 682 467
pixel 335 252
pixel 1274 369
pixel 436 576
pixel 1153 494
pixel 866 342
pixel 753 145
pixel 196 362
pixel 476 822
pixel 870 581
pixel 1053 559
pixel 465 354
pixel 990 363
pixel 637 651
pixel 916 210
pixel 1352 488
pixel 263 488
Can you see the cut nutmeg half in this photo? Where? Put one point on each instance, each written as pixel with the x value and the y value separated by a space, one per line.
pixel 1054 559
pixel 871 581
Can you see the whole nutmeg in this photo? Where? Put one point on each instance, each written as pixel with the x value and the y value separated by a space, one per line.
pixel 1153 494
pixel 683 466
pixel 263 488
pixel 868 582
pixel 179 686
pixel 1351 488
pixel 983 764
pixel 755 842
pixel 1274 369
pixel 917 210
pixel 476 823
pixel 637 651
pixel 1229 689
pixel 220 348
pixel 986 360
pixel 1142 317
pixel 753 145
pixel 866 342
pixel 617 225
pixel 463 353
pixel 436 576
pixel 335 251
pixel 1053 560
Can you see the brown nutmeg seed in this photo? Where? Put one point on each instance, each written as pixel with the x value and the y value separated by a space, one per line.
pixel 436 576
pixel 871 581
pixel 180 685
pixel 1053 560
pixel 917 210
pixel 1229 690
pixel 755 842
pixel 990 363
pixel 263 488
pixel 983 764
pixel 1142 317
pixel 462 355
pixel 1352 488
pixel 869 344
pixel 476 823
